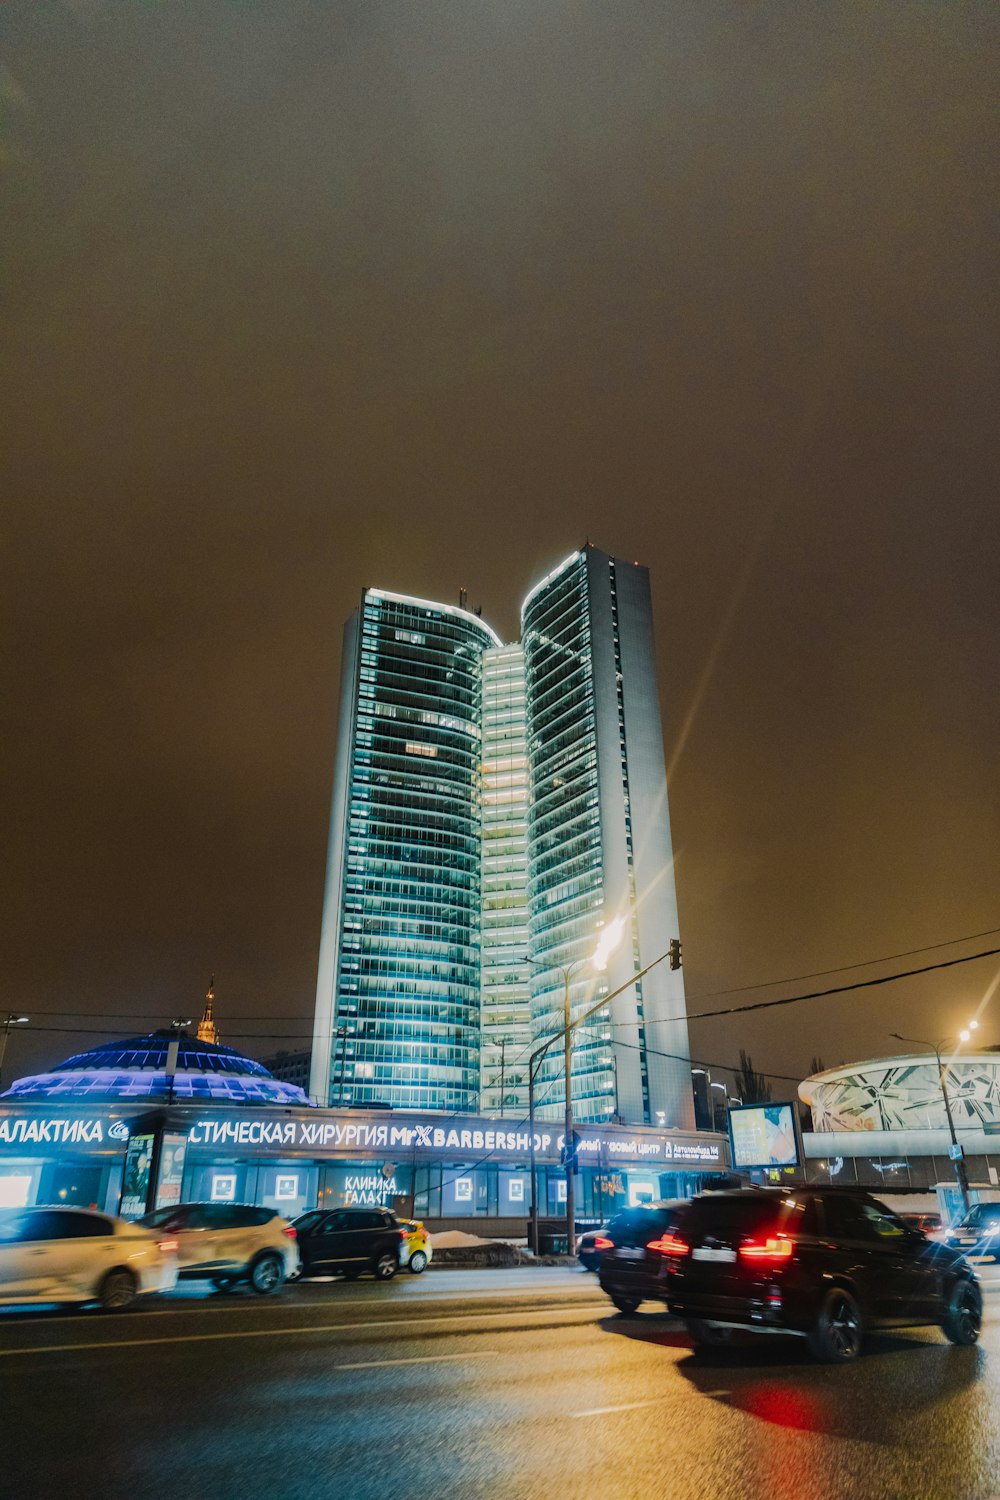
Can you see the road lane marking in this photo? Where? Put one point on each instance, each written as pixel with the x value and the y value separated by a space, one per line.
pixel 420 1359
pixel 271 1333
pixel 602 1411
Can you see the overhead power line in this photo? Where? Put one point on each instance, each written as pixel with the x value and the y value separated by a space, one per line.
pixel 840 989
pixel 862 963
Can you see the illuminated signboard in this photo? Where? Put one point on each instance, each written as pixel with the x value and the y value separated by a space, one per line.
pixel 32 1133
pixel 763 1135
pixel 322 1134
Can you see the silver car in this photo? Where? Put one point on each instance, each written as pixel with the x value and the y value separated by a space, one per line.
pixel 76 1255
pixel 229 1243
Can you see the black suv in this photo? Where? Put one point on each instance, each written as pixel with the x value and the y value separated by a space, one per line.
pixel 826 1264
pixel 633 1265
pixel 352 1240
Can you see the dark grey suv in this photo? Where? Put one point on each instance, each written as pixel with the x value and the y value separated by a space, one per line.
pixel 351 1240
pixel 633 1267
pixel 825 1264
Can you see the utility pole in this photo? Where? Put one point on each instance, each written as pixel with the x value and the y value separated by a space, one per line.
pixel 958 1152
pixel 534 1063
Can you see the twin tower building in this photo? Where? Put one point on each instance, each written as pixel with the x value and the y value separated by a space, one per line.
pixel 499 812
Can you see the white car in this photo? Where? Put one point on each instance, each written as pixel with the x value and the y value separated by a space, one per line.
pixel 76 1255
pixel 227 1243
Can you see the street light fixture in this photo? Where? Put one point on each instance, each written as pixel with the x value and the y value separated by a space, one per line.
pixel 958 1154
pixel 12 1018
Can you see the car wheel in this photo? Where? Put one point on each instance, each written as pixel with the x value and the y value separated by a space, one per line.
pixel 418 1262
pixel 385 1266
pixel 962 1321
pixel 117 1291
pixel 623 1303
pixel 708 1335
pixel 266 1274
pixel 838 1332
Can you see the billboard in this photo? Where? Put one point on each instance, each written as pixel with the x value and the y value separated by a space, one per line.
pixel 135 1186
pixel 763 1135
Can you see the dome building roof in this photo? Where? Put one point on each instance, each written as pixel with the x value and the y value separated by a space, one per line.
pixel 136 1069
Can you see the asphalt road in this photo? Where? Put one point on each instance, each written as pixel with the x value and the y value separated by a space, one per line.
pixel 477 1384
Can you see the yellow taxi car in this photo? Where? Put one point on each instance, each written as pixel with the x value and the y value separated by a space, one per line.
pixel 415 1251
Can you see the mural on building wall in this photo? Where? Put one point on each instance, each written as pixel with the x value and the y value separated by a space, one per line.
pixel 905 1094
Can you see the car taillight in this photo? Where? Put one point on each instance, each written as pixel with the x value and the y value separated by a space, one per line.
pixel 404 1234
pixel 779 1247
pixel 167 1245
pixel 291 1231
pixel 670 1244
pixel 601 1242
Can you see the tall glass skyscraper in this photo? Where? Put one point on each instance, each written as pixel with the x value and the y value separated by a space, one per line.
pixel 599 841
pixel 494 808
pixel 398 998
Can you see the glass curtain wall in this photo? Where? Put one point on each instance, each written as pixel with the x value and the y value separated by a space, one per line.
pixel 565 869
pixel 505 1038
pixel 407 995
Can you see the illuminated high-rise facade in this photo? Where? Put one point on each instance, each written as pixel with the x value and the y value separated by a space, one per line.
pixel 495 807
pixel 599 842
pixel 398 998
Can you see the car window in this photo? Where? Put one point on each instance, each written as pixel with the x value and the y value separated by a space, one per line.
pixel 159 1219
pixel 335 1223
pixel 639 1225
pixel 307 1223
pixel 83 1226
pixel 45 1225
pixel 13 1228
pixel 748 1214
pixel 224 1215
pixel 243 1216
pixel 368 1220
pixel 882 1222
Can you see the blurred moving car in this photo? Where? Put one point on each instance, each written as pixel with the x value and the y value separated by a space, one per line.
pixel 977 1235
pixel 633 1267
pixel 825 1264
pixel 229 1243
pixel 930 1225
pixel 587 1251
pixel 77 1255
pixel 352 1241
pixel 415 1250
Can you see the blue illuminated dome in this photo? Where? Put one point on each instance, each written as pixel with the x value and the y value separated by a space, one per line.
pixel 136 1069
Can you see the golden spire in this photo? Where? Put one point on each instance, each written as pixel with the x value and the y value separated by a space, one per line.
pixel 207 1029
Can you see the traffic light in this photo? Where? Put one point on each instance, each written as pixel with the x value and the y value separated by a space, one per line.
pixel 675 953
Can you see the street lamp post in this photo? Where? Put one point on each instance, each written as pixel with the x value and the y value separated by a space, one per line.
pixel 12 1018
pixel 961 1172
pixel 534 1063
pixel 606 944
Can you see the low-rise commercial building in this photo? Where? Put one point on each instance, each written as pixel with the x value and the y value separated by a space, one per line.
pixel 136 1137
